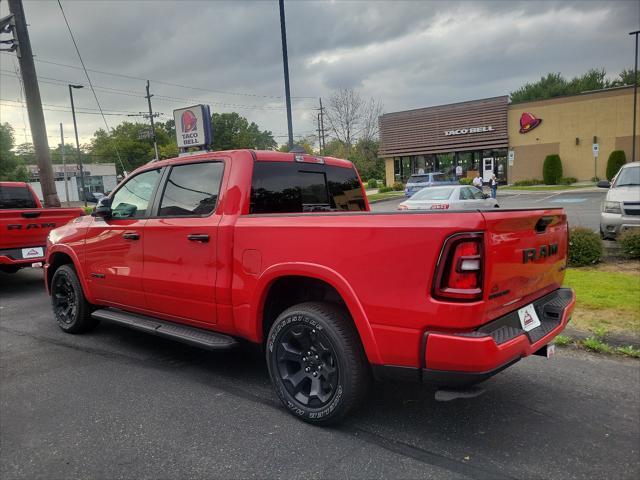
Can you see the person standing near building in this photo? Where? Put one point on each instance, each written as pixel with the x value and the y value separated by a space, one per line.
pixel 494 186
pixel 477 181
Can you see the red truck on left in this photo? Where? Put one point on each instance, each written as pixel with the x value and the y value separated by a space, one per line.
pixel 24 225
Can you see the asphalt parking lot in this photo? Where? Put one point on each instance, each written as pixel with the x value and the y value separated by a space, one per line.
pixel 583 207
pixel 119 404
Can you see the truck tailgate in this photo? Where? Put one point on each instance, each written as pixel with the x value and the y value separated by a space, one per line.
pixel 30 227
pixel 525 258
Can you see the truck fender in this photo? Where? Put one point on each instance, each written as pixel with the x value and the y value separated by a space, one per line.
pixel 327 275
pixel 76 264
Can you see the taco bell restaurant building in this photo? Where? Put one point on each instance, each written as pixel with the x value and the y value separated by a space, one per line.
pixel 492 136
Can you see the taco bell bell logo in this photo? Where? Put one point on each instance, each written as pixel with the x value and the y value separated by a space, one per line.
pixel 189 122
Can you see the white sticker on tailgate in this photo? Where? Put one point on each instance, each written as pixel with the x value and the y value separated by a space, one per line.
pixel 528 318
pixel 34 252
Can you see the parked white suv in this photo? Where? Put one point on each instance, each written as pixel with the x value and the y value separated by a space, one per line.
pixel 621 206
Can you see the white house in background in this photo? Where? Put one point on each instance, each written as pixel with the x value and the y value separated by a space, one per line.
pixel 98 177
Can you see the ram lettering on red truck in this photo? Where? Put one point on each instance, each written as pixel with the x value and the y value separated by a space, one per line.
pixel 24 225
pixel 281 249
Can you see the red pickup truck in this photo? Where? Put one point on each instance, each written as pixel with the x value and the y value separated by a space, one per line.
pixel 281 249
pixel 24 225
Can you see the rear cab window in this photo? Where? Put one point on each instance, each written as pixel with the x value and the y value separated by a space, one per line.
pixel 293 187
pixel 16 197
pixel 418 179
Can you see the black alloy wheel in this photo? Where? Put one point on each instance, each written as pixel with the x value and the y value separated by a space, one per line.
pixel 64 298
pixel 70 307
pixel 316 362
pixel 306 365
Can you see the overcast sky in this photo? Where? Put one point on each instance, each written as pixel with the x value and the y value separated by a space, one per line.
pixel 407 54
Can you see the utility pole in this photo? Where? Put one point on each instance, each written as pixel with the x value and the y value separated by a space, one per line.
pixel 635 97
pixel 285 62
pixel 324 144
pixel 34 106
pixel 319 137
pixel 153 128
pixel 75 128
pixel 64 166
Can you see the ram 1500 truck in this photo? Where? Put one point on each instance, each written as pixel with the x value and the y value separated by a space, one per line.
pixel 24 225
pixel 281 250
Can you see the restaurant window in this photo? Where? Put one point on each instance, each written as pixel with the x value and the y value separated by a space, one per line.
pixel 420 164
pixel 445 164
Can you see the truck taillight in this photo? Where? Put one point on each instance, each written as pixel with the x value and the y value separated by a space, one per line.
pixel 459 271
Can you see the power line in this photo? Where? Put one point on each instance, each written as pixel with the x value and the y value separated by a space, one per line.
pixel 132 77
pixel 90 84
pixel 131 93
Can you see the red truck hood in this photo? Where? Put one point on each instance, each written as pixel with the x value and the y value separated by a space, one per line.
pixel 526 253
pixel 30 227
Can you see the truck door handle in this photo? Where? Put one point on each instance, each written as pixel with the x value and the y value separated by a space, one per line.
pixel 131 236
pixel 198 237
pixel 30 214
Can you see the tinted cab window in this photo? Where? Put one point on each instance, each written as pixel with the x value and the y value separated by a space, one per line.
pixel 288 187
pixel 16 197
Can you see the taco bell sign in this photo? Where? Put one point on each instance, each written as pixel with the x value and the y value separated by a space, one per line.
pixel 193 126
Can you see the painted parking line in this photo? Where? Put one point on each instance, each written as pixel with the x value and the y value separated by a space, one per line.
pixel 568 200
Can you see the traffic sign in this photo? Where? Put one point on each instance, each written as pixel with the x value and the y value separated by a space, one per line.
pixel 596 149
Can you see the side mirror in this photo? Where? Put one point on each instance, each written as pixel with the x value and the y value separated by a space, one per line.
pixel 103 208
pixel 603 184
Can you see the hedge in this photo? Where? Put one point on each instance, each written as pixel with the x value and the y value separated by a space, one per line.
pixel 585 247
pixel 630 243
pixel 552 169
pixel 616 160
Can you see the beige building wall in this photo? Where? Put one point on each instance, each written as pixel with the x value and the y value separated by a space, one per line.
pixel 388 171
pixel 607 115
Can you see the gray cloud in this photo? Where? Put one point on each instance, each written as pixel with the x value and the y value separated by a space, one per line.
pixel 408 54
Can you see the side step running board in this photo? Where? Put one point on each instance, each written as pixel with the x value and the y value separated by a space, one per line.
pixel 182 333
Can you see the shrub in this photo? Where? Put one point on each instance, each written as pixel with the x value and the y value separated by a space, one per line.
pixel 398 186
pixel 630 243
pixel 585 247
pixel 552 169
pixel 528 182
pixel 385 189
pixel 373 183
pixel 616 160
pixel 466 181
pixel 567 180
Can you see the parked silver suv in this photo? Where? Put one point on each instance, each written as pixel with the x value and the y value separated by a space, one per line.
pixel 621 206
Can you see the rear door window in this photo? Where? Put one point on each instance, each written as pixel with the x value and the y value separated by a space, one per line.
pixel 288 187
pixel 16 197
pixel 191 190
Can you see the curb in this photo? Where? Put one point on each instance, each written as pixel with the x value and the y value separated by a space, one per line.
pixel 613 339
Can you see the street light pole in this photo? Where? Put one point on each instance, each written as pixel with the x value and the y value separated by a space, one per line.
pixel 285 62
pixel 75 128
pixel 635 97
pixel 64 166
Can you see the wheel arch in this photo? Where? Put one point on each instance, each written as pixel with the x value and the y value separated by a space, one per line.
pixel 64 256
pixel 333 286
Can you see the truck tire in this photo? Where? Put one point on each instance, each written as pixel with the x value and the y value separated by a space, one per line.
pixel 70 307
pixel 316 362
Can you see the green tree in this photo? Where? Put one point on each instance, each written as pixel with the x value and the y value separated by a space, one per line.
pixel 616 160
pixel 626 77
pixel 552 169
pixel 8 162
pixel 555 85
pixel 133 150
pixel 232 131
pixel 306 143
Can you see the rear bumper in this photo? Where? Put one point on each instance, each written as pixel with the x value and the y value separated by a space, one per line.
pixel 13 256
pixel 467 358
